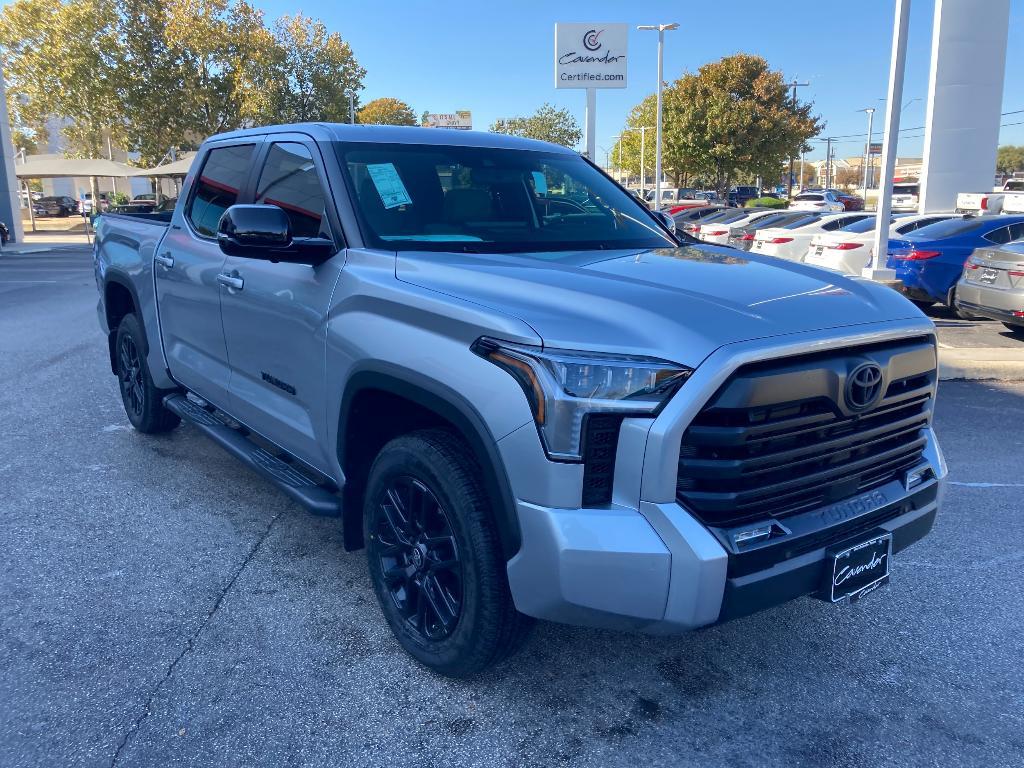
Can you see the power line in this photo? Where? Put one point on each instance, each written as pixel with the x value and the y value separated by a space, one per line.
pixel 916 128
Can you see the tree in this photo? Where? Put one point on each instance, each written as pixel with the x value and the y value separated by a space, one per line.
pixel 548 123
pixel 1009 158
pixel 848 177
pixel 318 72
pixel 150 75
pixel 386 111
pixel 60 60
pixel 734 116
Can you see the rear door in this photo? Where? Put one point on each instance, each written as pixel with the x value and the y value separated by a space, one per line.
pixel 275 323
pixel 188 262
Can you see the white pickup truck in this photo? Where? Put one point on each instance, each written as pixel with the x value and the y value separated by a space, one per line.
pixel 1008 200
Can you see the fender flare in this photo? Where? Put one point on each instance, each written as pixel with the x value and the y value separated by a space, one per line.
pixel 117 278
pixel 455 409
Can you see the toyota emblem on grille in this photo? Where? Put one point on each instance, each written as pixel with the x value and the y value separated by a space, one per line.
pixel 863 386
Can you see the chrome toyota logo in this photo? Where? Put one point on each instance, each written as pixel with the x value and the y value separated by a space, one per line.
pixel 863 386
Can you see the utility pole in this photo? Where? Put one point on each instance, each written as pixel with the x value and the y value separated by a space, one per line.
pixel 828 162
pixel 789 181
pixel 867 152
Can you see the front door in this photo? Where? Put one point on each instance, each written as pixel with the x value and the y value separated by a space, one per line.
pixel 275 315
pixel 187 266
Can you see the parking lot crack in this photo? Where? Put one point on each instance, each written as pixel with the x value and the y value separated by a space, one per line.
pixel 190 643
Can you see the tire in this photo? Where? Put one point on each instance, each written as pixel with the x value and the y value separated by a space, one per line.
pixel 922 305
pixel 1015 329
pixel 143 401
pixel 449 606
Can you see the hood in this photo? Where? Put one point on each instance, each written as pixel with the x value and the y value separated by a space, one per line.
pixel 679 304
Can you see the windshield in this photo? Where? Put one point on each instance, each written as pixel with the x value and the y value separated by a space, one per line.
pixel 486 200
pixel 1014 185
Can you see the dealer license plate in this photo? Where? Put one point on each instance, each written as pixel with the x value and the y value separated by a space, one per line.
pixel 988 276
pixel 857 570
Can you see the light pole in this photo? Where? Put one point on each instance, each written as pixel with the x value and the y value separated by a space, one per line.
pixel 661 29
pixel 643 149
pixel 867 151
pixel 789 182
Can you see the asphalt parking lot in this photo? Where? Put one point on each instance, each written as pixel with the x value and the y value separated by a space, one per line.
pixel 163 606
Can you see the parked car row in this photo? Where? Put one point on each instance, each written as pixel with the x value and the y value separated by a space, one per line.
pixel 963 262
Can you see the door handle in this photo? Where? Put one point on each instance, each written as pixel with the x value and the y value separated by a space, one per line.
pixel 230 281
pixel 164 259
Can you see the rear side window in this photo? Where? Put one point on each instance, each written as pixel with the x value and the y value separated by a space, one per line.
pixel 218 186
pixel 915 225
pixel 1006 234
pixel 815 198
pixel 842 221
pixel 290 181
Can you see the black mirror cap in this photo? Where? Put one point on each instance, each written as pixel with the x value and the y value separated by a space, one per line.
pixel 264 232
pixel 246 228
pixel 666 221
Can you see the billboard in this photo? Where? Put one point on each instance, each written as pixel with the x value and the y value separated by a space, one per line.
pixel 462 121
pixel 590 55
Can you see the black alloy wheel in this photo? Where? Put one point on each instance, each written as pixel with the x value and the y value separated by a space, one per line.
pixel 130 376
pixel 419 558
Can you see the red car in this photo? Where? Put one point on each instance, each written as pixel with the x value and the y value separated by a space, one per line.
pixel 849 200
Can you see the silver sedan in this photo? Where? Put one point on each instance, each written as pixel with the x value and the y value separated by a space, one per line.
pixel 992 285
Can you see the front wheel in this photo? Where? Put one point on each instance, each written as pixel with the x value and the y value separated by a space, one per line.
pixel 435 558
pixel 143 401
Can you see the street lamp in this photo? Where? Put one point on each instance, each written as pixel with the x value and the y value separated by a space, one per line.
pixel 661 29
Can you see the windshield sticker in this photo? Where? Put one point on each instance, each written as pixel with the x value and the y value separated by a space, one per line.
pixel 540 184
pixel 389 184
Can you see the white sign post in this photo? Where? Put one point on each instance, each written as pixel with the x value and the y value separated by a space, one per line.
pixel 590 56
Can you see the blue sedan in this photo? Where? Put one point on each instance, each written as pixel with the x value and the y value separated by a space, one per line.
pixel 930 260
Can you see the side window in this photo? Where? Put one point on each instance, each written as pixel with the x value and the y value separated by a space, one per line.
pixel 999 236
pixel 289 180
pixel 218 186
pixel 1016 231
pixel 831 226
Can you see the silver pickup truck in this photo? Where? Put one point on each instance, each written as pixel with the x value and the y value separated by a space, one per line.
pixel 518 389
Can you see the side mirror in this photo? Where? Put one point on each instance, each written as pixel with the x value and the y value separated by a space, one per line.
pixel 264 232
pixel 665 220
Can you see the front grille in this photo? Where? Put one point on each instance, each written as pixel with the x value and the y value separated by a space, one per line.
pixel 777 438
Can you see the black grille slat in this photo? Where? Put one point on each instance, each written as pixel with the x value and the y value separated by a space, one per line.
pixel 740 461
pixel 793 457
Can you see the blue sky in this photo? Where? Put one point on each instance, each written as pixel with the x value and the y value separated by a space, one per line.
pixel 495 58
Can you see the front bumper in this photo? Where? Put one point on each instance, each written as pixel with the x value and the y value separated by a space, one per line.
pixel 645 563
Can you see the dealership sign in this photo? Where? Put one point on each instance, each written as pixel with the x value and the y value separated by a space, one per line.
pixel 590 55
pixel 460 120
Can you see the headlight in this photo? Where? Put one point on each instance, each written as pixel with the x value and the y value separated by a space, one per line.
pixel 563 386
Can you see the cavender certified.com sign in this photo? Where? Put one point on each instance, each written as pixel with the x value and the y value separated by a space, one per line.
pixel 590 55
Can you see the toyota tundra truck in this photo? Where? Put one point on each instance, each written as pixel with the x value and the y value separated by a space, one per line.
pixel 518 389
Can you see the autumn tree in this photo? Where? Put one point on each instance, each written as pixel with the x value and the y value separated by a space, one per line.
pixel 155 74
pixel 734 117
pixel 386 111
pixel 548 123
pixel 318 72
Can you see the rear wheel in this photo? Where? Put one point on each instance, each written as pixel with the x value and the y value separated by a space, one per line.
pixel 435 558
pixel 143 401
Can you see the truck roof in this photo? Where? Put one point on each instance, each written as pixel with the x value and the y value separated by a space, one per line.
pixel 397 134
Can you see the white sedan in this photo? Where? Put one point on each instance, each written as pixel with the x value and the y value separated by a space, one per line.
pixel 816 201
pixel 790 242
pixel 850 249
pixel 719 232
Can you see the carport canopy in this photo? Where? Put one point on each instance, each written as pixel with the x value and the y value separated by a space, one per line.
pixel 177 168
pixel 61 167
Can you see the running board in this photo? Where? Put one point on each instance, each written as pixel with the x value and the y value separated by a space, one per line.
pixel 320 498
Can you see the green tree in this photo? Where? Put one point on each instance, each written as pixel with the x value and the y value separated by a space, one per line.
pixel 386 111
pixel 317 72
pixel 60 61
pixel 1009 158
pixel 548 123
pixel 734 117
